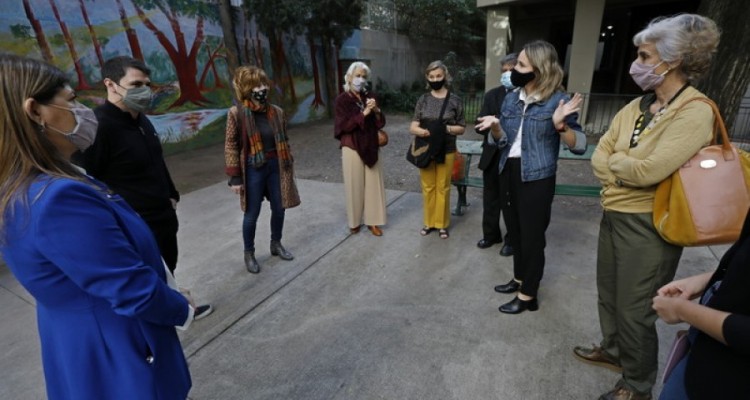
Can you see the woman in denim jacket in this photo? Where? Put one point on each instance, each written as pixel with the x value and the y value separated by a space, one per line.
pixel 533 120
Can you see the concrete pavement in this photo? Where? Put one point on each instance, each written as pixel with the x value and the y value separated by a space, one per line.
pixel 360 317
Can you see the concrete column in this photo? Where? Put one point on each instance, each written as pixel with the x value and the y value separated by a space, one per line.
pixel 498 34
pixel 586 30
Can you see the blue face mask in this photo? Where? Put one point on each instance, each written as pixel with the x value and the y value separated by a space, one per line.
pixel 505 80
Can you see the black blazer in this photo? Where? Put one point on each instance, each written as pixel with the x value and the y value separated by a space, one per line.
pixel 493 100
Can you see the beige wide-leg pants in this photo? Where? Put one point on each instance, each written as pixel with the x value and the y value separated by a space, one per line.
pixel 365 190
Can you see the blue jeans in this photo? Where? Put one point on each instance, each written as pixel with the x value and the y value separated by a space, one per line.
pixel 262 182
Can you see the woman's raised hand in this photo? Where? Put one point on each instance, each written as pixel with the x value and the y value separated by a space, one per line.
pixel 564 109
pixel 487 122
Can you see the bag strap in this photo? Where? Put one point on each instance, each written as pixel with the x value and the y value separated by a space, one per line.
pixel 719 128
pixel 445 105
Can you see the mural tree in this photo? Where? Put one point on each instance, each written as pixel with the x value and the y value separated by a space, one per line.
pixel 184 59
pixel 729 77
pixel 94 39
pixel 41 38
pixel 333 21
pixel 82 84
pixel 272 18
pixel 130 33
pixel 226 15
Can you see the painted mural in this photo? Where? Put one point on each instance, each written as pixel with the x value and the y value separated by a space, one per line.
pixel 180 40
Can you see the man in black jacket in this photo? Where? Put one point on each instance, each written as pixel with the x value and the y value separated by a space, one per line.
pixel 127 155
pixel 495 198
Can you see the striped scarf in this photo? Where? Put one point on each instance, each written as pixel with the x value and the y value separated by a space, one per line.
pixel 254 146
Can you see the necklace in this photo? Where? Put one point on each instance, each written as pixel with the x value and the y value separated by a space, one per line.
pixel 639 131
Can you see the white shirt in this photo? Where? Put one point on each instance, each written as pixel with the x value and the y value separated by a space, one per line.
pixel 515 148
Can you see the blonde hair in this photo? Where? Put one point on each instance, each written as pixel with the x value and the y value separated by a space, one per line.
pixel 689 38
pixel 247 78
pixel 549 74
pixel 350 71
pixel 25 151
pixel 438 65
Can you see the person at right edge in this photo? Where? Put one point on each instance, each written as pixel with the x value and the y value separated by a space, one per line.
pixel 495 196
pixel 534 120
pixel 648 140
pixel 717 365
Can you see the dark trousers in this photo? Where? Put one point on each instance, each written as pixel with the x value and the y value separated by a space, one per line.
pixel 262 182
pixel 164 226
pixel 494 200
pixel 530 210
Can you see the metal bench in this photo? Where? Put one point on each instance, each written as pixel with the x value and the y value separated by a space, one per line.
pixel 470 148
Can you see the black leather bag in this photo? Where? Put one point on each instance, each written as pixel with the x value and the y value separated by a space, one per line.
pixel 424 150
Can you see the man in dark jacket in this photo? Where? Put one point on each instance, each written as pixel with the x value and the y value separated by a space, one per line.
pixel 495 198
pixel 127 155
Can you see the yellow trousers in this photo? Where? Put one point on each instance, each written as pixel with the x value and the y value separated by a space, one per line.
pixel 436 192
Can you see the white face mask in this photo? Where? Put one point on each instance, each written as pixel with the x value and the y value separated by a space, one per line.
pixel 84 133
pixel 358 83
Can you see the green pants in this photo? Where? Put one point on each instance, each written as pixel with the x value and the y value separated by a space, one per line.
pixel 633 262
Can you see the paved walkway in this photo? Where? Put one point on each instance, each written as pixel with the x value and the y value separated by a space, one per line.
pixel 360 317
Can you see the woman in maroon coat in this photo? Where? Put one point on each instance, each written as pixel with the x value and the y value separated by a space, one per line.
pixel 358 119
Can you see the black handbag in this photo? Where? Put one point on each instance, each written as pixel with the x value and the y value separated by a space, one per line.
pixel 423 150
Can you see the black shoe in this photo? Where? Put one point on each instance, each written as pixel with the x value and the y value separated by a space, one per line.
pixel 278 250
pixel 250 263
pixel 517 306
pixel 202 311
pixel 510 287
pixel 485 243
pixel 506 251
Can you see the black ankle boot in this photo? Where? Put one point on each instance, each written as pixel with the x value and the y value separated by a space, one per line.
pixel 517 306
pixel 251 263
pixel 278 250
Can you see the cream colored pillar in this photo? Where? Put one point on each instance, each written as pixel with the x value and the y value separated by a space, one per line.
pixel 586 31
pixel 498 34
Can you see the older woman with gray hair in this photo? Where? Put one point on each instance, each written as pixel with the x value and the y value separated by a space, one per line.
pixel 648 140
pixel 358 119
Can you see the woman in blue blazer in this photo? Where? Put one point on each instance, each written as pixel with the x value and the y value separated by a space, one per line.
pixel 105 311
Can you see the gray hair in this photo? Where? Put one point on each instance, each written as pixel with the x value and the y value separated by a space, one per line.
pixel 350 71
pixel 511 58
pixel 689 38
pixel 438 65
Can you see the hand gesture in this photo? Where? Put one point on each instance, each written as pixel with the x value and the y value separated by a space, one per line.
pixel 667 308
pixel 564 109
pixel 487 122
pixel 687 288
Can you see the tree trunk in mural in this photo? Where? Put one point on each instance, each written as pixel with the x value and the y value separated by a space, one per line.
pixel 728 79
pixel 211 65
pixel 82 84
pixel 289 78
pixel 330 77
pixel 94 39
pixel 317 98
pixel 185 61
pixel 230 38
pixel 277 62
pixel 135 45
pixel 41 39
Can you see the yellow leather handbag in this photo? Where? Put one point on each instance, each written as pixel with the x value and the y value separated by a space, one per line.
pixel 706 200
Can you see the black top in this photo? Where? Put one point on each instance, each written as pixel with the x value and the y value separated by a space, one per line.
pixel 266 133
pixel 127 156
pixel 715 370
pixel 493 100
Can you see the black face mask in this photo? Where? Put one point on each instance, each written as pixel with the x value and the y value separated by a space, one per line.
pixel 261 96
pixel 437 85
pixel 520 79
